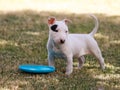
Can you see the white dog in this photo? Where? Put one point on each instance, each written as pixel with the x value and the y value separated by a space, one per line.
pixel 65 45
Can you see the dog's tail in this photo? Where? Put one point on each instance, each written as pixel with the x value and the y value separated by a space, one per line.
pixel 96 25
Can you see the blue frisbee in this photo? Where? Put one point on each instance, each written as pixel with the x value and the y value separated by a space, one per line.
pixel 32 68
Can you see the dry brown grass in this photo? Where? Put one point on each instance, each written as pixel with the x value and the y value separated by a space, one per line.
pixel 108 7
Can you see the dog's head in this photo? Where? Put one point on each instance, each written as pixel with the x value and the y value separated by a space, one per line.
pixel 58 30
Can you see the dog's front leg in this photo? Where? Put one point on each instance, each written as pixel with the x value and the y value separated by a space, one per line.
pixel 69 68
pixel 51 59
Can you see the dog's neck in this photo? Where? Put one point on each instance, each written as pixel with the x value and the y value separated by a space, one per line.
pixel 55 44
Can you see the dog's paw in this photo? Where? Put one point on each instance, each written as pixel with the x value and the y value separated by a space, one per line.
pixel 68 72
pixel 80 66
pixel 103 66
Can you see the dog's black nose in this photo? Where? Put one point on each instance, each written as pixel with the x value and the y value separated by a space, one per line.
pixel 62 41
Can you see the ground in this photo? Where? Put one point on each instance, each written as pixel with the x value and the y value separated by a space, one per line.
pixel 23 38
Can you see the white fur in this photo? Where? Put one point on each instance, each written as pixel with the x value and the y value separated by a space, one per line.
pixel 75 45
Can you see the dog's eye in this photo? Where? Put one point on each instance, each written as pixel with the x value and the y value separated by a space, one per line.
pixel 66 31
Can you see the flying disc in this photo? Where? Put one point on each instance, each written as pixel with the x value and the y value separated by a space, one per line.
pixel 31 68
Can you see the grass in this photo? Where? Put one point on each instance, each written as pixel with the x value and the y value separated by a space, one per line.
pixel 23 37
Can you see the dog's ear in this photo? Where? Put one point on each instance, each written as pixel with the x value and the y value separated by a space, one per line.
pixel 51 20
pixel 67 21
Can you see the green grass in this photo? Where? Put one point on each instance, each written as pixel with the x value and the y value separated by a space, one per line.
pixel 23 38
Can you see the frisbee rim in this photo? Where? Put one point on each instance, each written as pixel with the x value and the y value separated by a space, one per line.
pixel 33 68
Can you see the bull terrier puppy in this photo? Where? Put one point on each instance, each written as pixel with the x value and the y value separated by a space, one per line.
pixel 65 45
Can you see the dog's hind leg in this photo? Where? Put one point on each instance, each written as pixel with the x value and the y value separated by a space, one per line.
pixel 98 55
pixel 81 61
